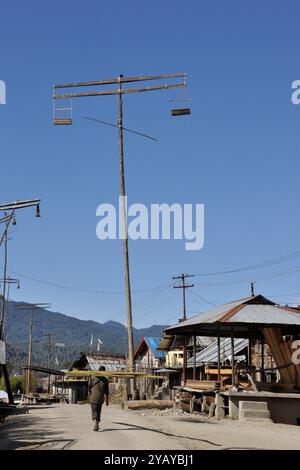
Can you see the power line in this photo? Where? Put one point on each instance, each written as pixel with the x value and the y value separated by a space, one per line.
pixel 116 125
pixel 77 289
pixel 293 256
pixel 144 305
pixel 162 300
pixel 253 278
pixel 289 257
pixel 195 294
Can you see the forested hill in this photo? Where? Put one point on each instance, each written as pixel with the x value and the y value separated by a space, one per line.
pixel 71 331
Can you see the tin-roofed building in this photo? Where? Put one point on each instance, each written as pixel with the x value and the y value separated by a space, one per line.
pixel 254 318
pixel 147 356
pixel 111 362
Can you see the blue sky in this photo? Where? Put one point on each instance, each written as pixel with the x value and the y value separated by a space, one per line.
pixel 238 152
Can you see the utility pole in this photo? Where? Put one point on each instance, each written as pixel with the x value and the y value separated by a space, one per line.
pixel 252 289
pixel 9 218
pixel 32 308
pixel 5 281
pixel 182 277
pixel 183 286
pixel 49 346
pixel 4 278
pixel 119 91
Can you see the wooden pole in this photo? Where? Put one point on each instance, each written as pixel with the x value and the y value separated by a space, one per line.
pixel 249 354
pixel 184 286
pixel 4 282
pixel 125 241
pixel 219 358
pixel 27 380
pixel 232 358
pixel 262 359
pixel 195 359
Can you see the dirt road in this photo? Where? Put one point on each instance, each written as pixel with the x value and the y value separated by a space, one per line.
pixel 69 427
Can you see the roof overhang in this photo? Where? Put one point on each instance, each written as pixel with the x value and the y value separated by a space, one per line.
pixel 226 330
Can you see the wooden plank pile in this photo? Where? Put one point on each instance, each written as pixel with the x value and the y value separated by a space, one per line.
pixel 207 385
pixel 282 353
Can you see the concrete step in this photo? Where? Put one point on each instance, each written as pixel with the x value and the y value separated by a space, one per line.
pixel 253 405
pixel 257 420
pixel 254 414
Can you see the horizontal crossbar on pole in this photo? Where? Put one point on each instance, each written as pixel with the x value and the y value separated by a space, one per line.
pixel 111 81
pixel 19 204
pixel 117 92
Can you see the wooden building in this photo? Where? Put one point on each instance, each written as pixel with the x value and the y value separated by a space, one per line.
pixel 146 355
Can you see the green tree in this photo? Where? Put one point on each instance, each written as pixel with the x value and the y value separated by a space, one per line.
pixel 16 383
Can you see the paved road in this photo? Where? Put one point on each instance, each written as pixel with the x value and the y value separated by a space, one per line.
pixel 69 427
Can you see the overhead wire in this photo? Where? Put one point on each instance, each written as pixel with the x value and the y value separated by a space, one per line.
pixel 78 289
pixel 293 256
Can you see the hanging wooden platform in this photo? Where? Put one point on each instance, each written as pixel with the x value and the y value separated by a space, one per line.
pixel 62 121
pixel 180 111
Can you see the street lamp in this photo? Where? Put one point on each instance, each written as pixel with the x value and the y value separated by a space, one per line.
pixel 9 210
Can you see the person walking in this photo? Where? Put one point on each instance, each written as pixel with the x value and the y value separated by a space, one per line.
pixel 99 392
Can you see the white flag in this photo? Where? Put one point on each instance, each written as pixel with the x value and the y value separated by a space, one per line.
pixel 92 339
pixel 99 341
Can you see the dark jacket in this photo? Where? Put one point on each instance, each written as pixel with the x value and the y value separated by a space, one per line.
pixel 98 388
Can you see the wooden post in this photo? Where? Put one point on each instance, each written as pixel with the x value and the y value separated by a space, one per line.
pixel 27 381
pixel 219 358
pixel 262 359
pixel 195 361
pixel 184 361
pixel 249 354
pixel 232 358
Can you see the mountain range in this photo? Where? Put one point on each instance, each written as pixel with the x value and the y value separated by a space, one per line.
pixel 74 333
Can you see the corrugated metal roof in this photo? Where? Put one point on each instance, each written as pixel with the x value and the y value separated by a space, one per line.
pixel 153 343
pixel 210 353
pixel 111 364
pixel 165 343
pixel 212 314
pixel 250 311
pixel 266 314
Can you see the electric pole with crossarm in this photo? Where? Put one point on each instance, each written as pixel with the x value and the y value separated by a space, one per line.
pixel 49 346
pixel 119 91
pixel 183 286
pixel 32 308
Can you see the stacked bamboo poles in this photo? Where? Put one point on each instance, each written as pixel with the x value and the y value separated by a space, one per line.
pixel 106 373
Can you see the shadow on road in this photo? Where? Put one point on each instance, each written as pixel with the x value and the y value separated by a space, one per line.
pixel 20 433
pixel 133 427
pixel 191 420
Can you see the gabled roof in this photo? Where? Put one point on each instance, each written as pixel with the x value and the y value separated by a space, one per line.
pixel 92 362
pixel 171 342
pixel 245 316
pixel 152 343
